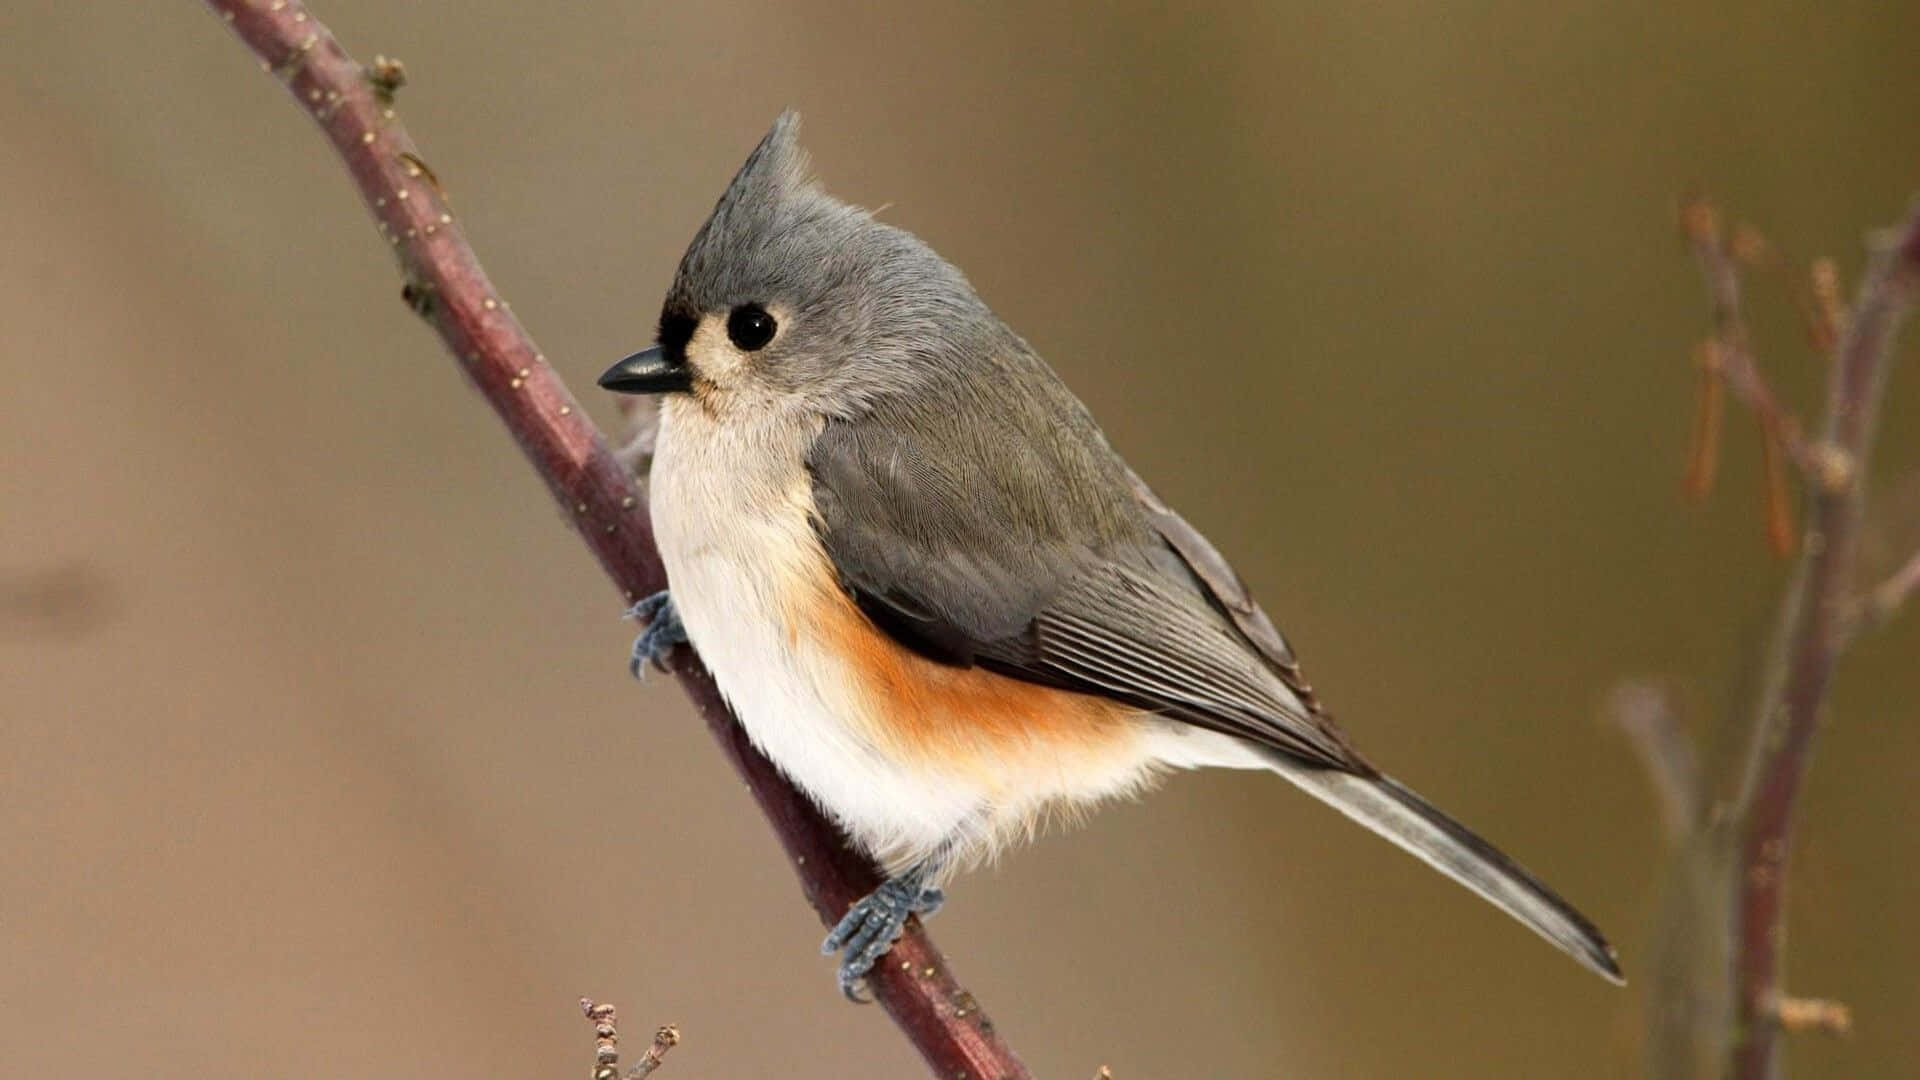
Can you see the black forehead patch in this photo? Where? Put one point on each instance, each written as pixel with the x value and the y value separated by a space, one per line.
pixel 676 329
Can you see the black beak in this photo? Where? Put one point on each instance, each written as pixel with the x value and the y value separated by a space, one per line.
pixel 648 372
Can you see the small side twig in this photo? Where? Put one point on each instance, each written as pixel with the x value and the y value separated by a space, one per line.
pixel 1817 1015
pixel 1885 600
pixel 1729 353
pixel 1645 713
pixel 606 1044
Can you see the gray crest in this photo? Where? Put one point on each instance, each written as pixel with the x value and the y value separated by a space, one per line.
pixel 761 228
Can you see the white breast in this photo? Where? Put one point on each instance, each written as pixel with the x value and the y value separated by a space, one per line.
pixel 731 512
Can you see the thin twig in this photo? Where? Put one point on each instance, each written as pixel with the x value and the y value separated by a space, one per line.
pixel 664 1039
pixel 1732 355
pixel 1645 712
pixel 606 1044
pixel 1811 630
pixel 1885 600
pixel 1829 310
pixel 445 284
pixel 1703 443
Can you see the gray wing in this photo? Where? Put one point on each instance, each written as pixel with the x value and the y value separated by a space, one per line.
pixel 971 541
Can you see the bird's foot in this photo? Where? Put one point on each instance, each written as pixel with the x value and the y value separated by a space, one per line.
pixel 873 924
pixel 664 632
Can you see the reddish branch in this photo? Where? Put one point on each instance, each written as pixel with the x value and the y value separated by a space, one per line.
pixel 1818 612
pixel 445 284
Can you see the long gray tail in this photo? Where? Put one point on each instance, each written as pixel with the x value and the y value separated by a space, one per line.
pixel 1381 804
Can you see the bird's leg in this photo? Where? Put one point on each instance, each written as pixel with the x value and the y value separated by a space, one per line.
pixel 664 631
pixel 875 921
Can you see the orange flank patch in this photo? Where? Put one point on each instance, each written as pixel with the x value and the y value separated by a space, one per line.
pixel 965 719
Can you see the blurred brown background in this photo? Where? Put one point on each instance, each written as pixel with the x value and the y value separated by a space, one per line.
pixel 320 758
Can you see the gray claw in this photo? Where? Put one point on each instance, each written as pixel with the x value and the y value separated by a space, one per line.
pixel 663 634
pixel 873 924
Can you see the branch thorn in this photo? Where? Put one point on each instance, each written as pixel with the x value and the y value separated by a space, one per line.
pixel 387 76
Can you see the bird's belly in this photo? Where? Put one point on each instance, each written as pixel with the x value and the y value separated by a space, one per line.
pixel 912 757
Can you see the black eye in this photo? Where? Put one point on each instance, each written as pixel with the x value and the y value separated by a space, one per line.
pixel 749 327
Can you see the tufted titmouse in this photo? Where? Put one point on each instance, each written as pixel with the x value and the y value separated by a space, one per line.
pixel 935 596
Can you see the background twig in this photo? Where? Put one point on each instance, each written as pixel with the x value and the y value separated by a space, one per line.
pixel 1816 613
pixel 445 284
pixel 1646 714
pixel 1729 354
pixel 606 1044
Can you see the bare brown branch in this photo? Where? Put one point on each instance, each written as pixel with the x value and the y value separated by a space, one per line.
pixel 445 284
pixel 1812 627
pixel 1717 1006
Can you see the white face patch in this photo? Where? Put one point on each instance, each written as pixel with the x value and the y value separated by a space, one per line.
pixel 717 361
pixel 713 357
